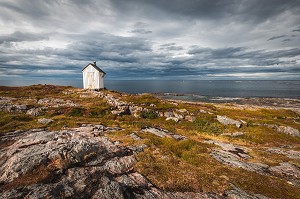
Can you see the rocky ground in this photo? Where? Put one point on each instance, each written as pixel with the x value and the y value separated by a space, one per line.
pixel 79 163
pixel 61 142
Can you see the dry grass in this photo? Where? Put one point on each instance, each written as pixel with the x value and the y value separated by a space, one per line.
pixel 40 174
pixel 169 164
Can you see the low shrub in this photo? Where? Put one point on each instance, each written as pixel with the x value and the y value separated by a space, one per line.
pixel 98 112
pixel 151 114
pixel 207 126
pixel 76 112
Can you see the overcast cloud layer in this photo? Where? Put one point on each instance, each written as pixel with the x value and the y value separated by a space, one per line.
pixel 150 39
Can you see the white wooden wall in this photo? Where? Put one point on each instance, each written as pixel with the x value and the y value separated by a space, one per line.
pixel 92 78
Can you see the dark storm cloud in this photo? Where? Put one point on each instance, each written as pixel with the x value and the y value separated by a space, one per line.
pixel 276 37
pixel 296 30
pixel 236 55
pixel 149 39
pixel 171 47
pixel 286 40
pixel 140 28
pixel 136 58
pixel 244 10
pixel 106 48
pixel 141 31
pixel 22 36
pixel 32 8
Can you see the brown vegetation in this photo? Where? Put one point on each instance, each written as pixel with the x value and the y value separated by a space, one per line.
pixel 169 164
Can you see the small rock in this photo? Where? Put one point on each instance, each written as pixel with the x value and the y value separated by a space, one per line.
pixel 138 148
pixel 289 131
pixel 55 102
pixel 34 112
pixel 168 114
pixel 190 118
pixel 236 134
pixel 237 193
pixel 178 116
pixel 237 150
pixel 244 122
pixel 289 153
pixel 13 108
pixel 163 133
pixel 287 170
pixel 135 111
pixel 231 159
pixel 202 111
pixel 112 129
pixel 121 110
pixel 272 126
pixel 174 103
pixel 226 121
pixel 45 121
pixel 182 110
pixel 134 136
pixel 160 114
pixel 172 118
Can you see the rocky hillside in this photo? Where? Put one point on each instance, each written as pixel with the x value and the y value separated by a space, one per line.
pixel 62 142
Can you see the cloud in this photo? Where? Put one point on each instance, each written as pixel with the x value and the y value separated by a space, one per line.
pixel 171 47
pixel 22 36
pixel 140 28
pixel 296 30
pixel 141 31
pixel 256 58
pixel 276 37
pixel 240 10
pixel 139 39
pixel 286 40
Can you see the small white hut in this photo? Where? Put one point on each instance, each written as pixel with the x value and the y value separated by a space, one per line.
pixel 93 77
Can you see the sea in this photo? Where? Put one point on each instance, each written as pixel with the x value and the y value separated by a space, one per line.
pixel 209 90
pixel 196 90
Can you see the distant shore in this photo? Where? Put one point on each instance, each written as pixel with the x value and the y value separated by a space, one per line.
pixel 266 102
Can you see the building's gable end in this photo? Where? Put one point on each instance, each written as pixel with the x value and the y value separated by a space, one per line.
pixel 96 67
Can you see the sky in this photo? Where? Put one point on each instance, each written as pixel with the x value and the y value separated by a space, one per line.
pixel 52 40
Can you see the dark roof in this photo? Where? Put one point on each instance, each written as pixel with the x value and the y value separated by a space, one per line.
pixel 96 67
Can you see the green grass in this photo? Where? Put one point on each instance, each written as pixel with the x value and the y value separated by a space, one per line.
pixel 208 126
pixel 16 121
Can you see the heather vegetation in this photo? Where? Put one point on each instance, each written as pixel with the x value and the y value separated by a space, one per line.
pixel 195 162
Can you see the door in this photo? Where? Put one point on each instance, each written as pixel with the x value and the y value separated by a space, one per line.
pixel 90 80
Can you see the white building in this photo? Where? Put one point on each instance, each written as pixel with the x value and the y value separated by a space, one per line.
pixel 93 77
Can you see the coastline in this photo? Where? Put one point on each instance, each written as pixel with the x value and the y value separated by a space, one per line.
pixel 238 102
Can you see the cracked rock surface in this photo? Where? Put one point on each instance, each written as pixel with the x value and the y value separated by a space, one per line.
pixel 81 165
pixel 227 121
pixel 237 156
pixel 162 133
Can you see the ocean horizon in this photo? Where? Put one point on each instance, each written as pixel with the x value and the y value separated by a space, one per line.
pixel 192 88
